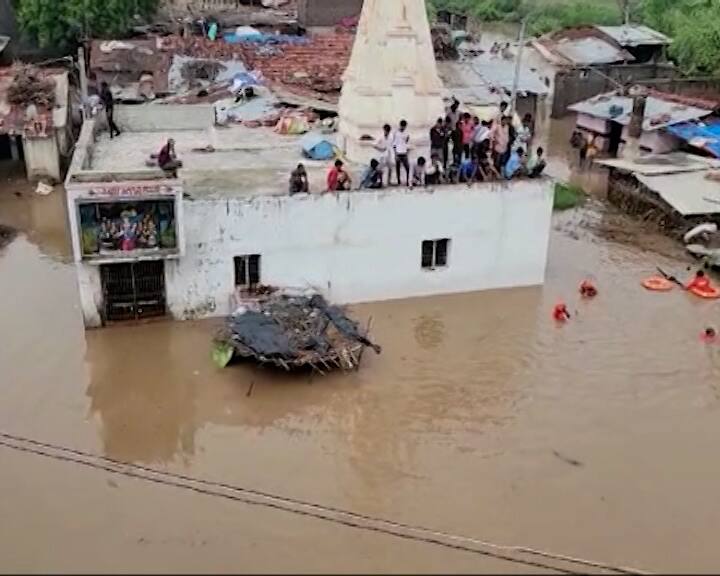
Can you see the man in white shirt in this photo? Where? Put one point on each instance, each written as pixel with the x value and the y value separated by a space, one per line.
pixel 401 146
pixel 482 133
pixel 384 145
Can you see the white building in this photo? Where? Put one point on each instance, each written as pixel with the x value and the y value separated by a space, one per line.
pixel 228 223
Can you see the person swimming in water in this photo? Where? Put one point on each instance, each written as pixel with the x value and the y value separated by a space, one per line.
pixel 709 336
pixel 560 313
pixel 588 290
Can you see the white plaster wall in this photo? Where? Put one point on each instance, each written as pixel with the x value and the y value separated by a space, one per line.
pixel 90 288
pixel 597 125
pixel 42 158
pixel 164 118
pixel 364 246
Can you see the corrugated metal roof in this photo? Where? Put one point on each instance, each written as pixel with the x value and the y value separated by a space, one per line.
pixel 632 35
pixel 659 113
pixel 690 193
pixel 487 82
pixel 656 164
pixel 590 50
pixel 702 135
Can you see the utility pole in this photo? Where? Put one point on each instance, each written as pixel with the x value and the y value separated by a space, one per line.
pixel 518 66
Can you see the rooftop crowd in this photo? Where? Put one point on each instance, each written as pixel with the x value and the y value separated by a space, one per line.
pixel 463 149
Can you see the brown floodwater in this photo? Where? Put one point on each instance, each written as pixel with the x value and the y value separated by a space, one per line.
pixel 482 417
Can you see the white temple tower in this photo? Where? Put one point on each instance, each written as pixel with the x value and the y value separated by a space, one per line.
pixel 392 75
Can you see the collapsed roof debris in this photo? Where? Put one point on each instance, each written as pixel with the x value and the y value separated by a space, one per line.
pixel 293 332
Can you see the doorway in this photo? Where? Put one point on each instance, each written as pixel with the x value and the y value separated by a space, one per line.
pixel 615 138
pixel 133 291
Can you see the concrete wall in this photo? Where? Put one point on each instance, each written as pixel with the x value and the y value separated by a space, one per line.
pixel 357 247
pixel 42 158
pixel 574 85
pixel 327 12
pixel 353 247
pixel 160 118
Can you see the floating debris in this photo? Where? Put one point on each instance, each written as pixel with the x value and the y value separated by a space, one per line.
pixel 293 332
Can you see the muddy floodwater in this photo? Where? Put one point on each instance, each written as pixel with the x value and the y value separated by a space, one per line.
pixel 597 439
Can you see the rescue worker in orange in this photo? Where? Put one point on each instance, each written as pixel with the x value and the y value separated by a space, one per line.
pixel 588 290
pixel 560 313
pixel 709 336
pixel 701 283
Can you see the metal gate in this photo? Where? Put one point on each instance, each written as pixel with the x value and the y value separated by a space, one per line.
pixel 133 291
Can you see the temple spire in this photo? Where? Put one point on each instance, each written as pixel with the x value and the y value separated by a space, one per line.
pixel 392 75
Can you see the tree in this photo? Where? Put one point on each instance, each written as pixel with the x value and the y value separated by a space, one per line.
pixel 696 44
pixel 61 22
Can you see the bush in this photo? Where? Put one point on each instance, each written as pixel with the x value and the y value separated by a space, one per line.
pixel 567 196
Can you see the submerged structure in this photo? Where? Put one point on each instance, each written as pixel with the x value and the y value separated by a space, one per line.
pixel 293 331
pixel 392 76
pixel 197 245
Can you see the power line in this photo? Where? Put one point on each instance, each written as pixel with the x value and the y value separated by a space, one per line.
pixel 299 507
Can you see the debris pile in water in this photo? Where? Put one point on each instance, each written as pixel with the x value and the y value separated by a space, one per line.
pixel 31 86
pixel 293 332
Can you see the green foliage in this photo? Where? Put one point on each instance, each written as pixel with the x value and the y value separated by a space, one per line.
pixel 61 22
pixel 697 40
pixel 567 196
pixel 554 14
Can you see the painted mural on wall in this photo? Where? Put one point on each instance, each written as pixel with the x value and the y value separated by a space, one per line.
pixel 112 228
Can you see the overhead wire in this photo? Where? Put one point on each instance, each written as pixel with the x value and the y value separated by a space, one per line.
pixel 300 507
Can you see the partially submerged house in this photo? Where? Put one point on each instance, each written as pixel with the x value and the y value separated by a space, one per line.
pixel 38 136
pixel 146 244
pixel 676 191
pixel 607 117
pixel 592 60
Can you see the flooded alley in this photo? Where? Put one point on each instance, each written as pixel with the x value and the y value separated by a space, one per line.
pixel 481 418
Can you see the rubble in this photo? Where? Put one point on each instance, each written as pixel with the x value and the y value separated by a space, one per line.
pixel 31 86
pixel 293 332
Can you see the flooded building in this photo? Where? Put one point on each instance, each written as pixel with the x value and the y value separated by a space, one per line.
pixel 36 136
pixel 228 224
pixel 593 60
pixel 607 118
pixel 146 244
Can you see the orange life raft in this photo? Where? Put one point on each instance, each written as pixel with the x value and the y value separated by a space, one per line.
pixel 709 293
pixel 657 284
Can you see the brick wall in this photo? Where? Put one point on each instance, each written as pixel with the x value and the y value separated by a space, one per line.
pixel 327 12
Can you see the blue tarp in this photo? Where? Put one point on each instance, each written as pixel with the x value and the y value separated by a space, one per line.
pixel 265 39
pixel 703 135
pixel 317 147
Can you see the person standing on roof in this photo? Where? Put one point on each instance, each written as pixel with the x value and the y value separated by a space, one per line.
pixel 384 145
pixel 453 112
pixel 401 146
pixel 438 137
pixel 109 104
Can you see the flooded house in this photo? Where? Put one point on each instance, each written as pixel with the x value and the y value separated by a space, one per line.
pixel 591 60
pixel 146 244
pixel 606 118
pixel 35 120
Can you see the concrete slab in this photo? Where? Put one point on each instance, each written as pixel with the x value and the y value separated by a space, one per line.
pixel 246 161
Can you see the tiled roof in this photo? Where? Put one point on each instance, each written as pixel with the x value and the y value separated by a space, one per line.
pixel 313 68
